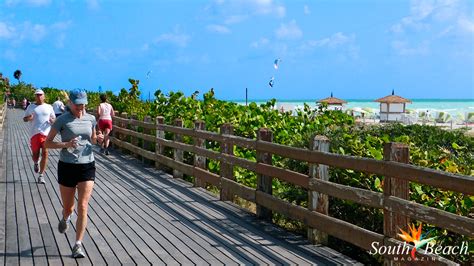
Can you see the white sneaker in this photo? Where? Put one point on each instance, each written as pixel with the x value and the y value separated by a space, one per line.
pixel 41 179
pixel 77 251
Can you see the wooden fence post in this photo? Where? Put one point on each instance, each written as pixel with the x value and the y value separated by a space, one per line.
pixel 146 144
pixel 226 169
pixel 392 222
pixel 264 183
pixel 316 201
pixel 160 134
pixel 178 154
pixel 114 133
pixel 199 161
pixel 123 137
pixel 134 140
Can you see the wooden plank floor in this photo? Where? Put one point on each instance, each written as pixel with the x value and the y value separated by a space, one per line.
pixel 137 215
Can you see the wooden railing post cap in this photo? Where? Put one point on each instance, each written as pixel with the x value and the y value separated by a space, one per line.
pixel 227 125
pixel 227 128
pixel 178 122
pixel 395 145
pixel 321 138
pixel 265 134
pixel 199 125
pixel 400 150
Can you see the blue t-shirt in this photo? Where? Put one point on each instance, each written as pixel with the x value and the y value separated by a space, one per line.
pixel 71 127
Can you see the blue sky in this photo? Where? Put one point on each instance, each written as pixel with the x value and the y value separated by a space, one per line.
pixel 355 49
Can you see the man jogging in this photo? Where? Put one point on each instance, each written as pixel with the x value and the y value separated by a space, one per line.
pixel 41 115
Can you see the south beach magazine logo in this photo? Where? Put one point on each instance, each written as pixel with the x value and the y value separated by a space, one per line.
pixel 414 236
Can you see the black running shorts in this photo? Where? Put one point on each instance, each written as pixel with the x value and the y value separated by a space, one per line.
pixel 70 174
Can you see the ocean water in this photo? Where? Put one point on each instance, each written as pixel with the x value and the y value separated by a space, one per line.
pixel 454 107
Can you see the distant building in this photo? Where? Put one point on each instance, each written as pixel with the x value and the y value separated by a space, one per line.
pixel 392 107
pixel 333 102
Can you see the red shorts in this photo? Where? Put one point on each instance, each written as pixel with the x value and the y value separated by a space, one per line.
pixel 105 124
pixel 37 143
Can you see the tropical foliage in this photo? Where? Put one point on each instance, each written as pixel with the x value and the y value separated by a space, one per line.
pixel 17 75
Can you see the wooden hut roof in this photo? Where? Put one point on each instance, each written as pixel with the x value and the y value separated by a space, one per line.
pixel 332 100
pixel 392 99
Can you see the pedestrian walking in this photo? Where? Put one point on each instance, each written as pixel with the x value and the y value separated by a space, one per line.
pixel 76 166
pixel 41 116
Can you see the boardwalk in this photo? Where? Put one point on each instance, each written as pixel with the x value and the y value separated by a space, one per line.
pixel 137 215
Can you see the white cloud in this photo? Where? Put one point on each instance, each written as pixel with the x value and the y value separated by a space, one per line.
pixel 233 19
pixel 218 29
pixel 426 15
pixel 306 10
pixel 39 2
pixel 176 38
pixel 289 31
pixel 403 48
pixel 92 4
pixel 6 31
pixel 337 39
pixel 33 3
pixel 236 11
pixel 111 54
pixel 432 21
pixel 145 47
pixel 27 31
pixel 466 25
pixel 11 2
pixel 260 43
pixel 61 25
pixel 344 46
pixel 266 7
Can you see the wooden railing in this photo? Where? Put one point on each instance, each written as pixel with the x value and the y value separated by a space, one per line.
pixel 398 209
pixel 3 113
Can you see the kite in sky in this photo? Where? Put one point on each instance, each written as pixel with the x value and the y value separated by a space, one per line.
pixel 148 74
pixel 276 62
pixel 271 82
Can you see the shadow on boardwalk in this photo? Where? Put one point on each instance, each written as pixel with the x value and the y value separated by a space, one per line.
pixel 137 215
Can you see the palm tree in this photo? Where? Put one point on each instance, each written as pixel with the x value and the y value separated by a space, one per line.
pixel 17 75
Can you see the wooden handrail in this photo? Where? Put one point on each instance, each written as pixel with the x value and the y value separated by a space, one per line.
pixel 418 174
pixel 332 226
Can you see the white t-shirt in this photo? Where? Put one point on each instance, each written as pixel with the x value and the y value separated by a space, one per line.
pixel 58 107
pixel 41 115
pixel 104 111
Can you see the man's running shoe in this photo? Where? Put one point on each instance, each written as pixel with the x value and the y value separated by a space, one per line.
pixel 41 179
pixel 77 251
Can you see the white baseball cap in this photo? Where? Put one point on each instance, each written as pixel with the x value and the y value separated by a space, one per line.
pixel 39 91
